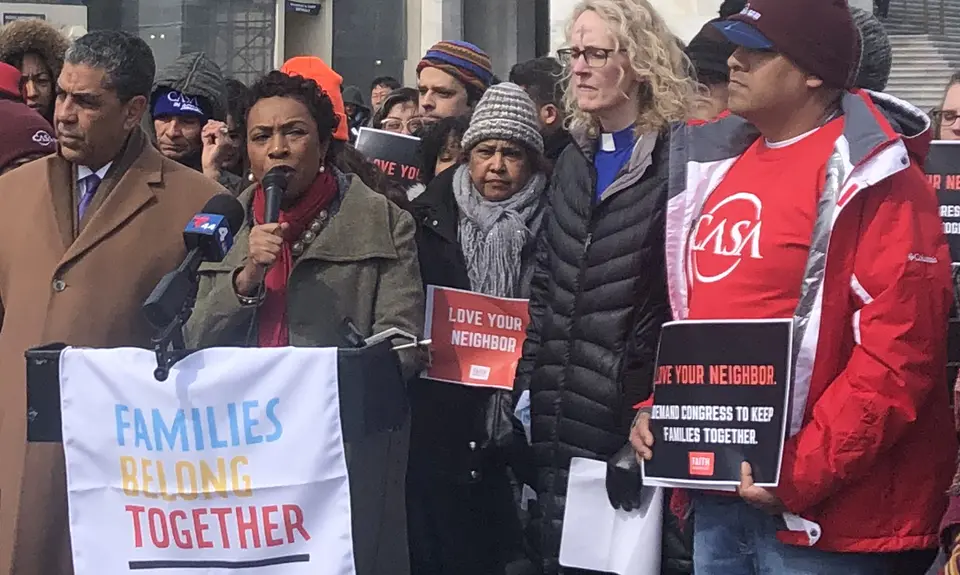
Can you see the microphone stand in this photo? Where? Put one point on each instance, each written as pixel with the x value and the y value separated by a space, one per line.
pixel 168 342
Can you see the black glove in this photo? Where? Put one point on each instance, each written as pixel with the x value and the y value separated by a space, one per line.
pixel 624 481
pixel 498 421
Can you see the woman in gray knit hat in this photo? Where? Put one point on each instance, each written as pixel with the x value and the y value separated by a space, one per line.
pixel 478 224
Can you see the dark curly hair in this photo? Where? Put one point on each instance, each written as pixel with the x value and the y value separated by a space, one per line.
pixel 238 101
pixel 276 84
pixel 730 7
pixel 542 78
pixel 433 141
pixel 351 161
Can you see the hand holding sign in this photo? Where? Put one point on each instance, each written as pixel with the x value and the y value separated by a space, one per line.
pixel 721 396
pixel 477 339
pixel 641 437
pixel 761 498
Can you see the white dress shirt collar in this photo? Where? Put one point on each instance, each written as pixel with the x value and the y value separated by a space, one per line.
pixel 83 172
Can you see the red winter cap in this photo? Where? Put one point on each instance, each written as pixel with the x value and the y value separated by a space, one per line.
pixel 315 69
pixel 23 132
pixel 819 36
pixel 10 82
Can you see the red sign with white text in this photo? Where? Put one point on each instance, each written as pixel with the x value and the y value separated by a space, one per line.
pixel 477 339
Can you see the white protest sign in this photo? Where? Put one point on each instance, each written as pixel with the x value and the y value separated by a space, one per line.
pixel 235 462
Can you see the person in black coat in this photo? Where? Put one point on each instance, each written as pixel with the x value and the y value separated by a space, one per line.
pixel 477 228
pixel 599 294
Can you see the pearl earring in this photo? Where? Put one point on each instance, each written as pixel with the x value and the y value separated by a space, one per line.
pixel 250 176
pixel 323 169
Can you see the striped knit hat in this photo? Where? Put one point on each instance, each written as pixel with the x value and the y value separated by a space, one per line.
pixel 505 112
pixel 467 63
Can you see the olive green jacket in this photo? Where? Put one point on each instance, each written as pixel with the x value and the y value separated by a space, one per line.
pixel 363 266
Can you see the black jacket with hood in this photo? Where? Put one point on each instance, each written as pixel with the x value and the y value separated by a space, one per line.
pixel 196 75
pixel 361 117
pixel 598 299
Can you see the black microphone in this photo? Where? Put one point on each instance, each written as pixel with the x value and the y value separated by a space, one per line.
pixel 274 185
pixel 208 237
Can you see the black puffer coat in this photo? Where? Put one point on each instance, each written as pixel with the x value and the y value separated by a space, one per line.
pixel 598 300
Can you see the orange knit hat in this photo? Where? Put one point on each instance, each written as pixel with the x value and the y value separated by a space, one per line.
pixel 315 69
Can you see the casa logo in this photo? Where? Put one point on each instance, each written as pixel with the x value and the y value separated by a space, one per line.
pixel 43 138
pixel 183 102
pixel 729 232
pixel 749 12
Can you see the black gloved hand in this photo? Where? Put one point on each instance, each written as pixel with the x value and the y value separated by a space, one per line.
pixel 624 480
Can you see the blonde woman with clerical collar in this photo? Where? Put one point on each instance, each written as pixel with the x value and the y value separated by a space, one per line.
pixel 598 297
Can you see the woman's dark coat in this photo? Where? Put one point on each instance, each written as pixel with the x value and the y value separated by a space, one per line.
pixel 597 302
pixel 462 518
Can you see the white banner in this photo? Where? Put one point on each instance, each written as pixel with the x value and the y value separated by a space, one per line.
pixel 235 462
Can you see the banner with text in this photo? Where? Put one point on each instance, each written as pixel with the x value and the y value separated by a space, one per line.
pixel 235 462
pixel 943 172
pixel 477 339
pixel 397 155
pixel 721 392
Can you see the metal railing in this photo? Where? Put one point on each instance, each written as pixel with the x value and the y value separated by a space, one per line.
pixel 941 24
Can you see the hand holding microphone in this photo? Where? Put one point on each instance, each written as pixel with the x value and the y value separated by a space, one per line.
pixel 266 239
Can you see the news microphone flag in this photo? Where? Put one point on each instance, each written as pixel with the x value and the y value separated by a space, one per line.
pixel 203 228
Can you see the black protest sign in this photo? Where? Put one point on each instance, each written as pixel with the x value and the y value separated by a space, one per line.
pixel 943 172
pixel 397 155
pixel 720 398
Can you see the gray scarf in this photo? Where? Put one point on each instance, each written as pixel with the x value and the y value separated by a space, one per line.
pixel 493 235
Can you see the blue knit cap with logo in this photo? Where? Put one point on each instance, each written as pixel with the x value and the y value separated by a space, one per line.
pixel 174 103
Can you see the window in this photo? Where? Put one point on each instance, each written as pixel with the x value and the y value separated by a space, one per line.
pixel 237 34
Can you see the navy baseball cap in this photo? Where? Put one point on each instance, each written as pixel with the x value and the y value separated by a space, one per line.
pixel 743 34
pixel 818 35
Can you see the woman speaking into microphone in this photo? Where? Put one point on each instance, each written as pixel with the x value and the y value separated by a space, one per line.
pixel 338 251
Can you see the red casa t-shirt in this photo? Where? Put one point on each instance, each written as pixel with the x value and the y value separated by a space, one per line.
pixel 749 246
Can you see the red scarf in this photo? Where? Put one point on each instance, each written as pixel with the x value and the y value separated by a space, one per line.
pixel 272 318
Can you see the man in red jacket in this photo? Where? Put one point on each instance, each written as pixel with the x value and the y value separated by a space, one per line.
pixel 810 203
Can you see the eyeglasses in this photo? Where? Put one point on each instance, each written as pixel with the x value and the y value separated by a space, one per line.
pixel 595 57
pixel 395 125
pixel 946 117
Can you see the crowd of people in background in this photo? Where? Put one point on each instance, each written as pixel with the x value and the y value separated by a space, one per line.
pixel 577 183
